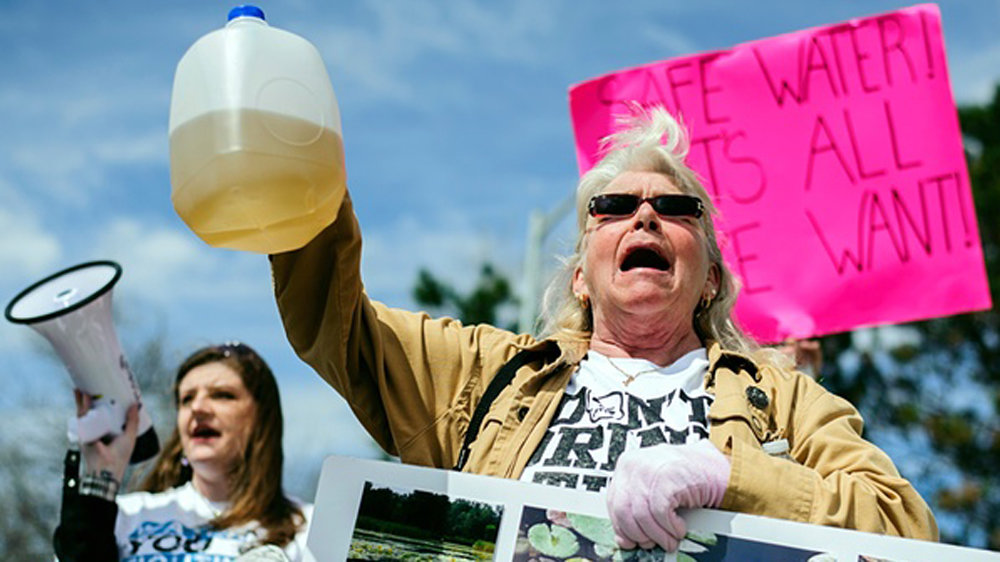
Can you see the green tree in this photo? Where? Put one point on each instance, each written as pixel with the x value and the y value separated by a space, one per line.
pixel 939 389
pixel 474 521
pixel 427 511
pixel 484 304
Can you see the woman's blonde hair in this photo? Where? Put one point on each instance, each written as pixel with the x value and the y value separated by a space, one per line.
pixel 649 140
pixel 256 493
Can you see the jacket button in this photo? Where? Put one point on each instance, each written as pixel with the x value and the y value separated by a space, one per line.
pixel 757 397
pixel 521 413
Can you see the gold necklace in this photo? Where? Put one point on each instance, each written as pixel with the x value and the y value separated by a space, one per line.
pixel 629 378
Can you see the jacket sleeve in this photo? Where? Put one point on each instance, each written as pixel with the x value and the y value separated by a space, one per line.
pixel 86 531
pixel 411 380
pixel 835 477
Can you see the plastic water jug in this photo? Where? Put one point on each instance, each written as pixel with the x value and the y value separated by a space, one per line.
pixel 256 153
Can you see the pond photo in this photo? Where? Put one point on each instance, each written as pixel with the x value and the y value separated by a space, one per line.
pixel 416 525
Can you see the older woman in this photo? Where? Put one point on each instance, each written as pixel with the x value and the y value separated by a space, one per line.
pixel 642 374
pixel 214 491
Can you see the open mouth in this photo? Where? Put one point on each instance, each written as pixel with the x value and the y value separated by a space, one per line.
pixel 204 432
pixel 644 258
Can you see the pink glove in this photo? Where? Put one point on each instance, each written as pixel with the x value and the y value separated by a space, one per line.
pixel 650 484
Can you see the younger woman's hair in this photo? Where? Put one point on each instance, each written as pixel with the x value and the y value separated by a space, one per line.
pixel 256 493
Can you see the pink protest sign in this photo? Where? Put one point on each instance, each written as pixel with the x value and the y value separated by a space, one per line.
pixel 835 158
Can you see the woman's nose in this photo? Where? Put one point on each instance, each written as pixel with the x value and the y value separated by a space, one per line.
pixel 199 404
pixel 645 217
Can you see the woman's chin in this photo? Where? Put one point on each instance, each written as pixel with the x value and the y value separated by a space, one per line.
pixel 648 300
pixel 205 457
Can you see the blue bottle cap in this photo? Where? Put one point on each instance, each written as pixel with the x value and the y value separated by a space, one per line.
pixel 245 10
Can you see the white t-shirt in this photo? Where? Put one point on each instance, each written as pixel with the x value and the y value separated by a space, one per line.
pixel 600 417
pixel 170 526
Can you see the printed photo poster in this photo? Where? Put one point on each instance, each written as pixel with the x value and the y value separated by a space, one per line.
pixel 375 510
pixel 835 158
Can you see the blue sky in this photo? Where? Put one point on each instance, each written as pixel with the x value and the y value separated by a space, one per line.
pixel 455 123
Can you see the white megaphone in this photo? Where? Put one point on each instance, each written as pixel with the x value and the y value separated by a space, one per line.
pixel 72 309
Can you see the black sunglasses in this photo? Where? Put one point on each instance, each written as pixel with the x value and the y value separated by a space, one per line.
pixel 626 204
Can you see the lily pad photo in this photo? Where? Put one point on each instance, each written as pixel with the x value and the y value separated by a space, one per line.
pixel 548 535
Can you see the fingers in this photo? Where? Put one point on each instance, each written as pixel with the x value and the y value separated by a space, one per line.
pixel 808 353
pixel 787 347
pixel 676 528
pixel 125 443
pixel 132 421
pixel 82 400
pixel 635 522
pixel 620 512
pixel 628 533
pixel 657 529
pixel 643 530
pixel 112 452
pixel 114 455
pixel 810 345
pixel 650 484
pixel 623 543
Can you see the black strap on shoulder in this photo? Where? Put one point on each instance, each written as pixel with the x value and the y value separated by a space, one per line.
pixel 503 378
pixel 736 363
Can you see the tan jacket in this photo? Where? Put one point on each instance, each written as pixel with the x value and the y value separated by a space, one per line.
pixel 414 382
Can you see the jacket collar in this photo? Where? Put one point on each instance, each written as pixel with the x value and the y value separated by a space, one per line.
pixel 571 352
pixel 734 361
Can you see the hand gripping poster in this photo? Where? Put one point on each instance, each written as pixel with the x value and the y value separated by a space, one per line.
pixel 375 510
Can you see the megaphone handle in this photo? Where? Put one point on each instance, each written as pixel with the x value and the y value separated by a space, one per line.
pixel 102 419
pixel 106 459
pixel 71 471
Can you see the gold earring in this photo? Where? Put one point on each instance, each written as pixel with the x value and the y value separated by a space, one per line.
pixel 584 301
pixel 705 302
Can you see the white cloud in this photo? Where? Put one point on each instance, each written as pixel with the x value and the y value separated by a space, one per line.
pixel 28 251
pixel 74 167
pixel 358 57
pixel 141 147
pixel 166 265
pixel 668 41
pixel 511 32
pixel 382 56
pixel 62 170
pixel 27 248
